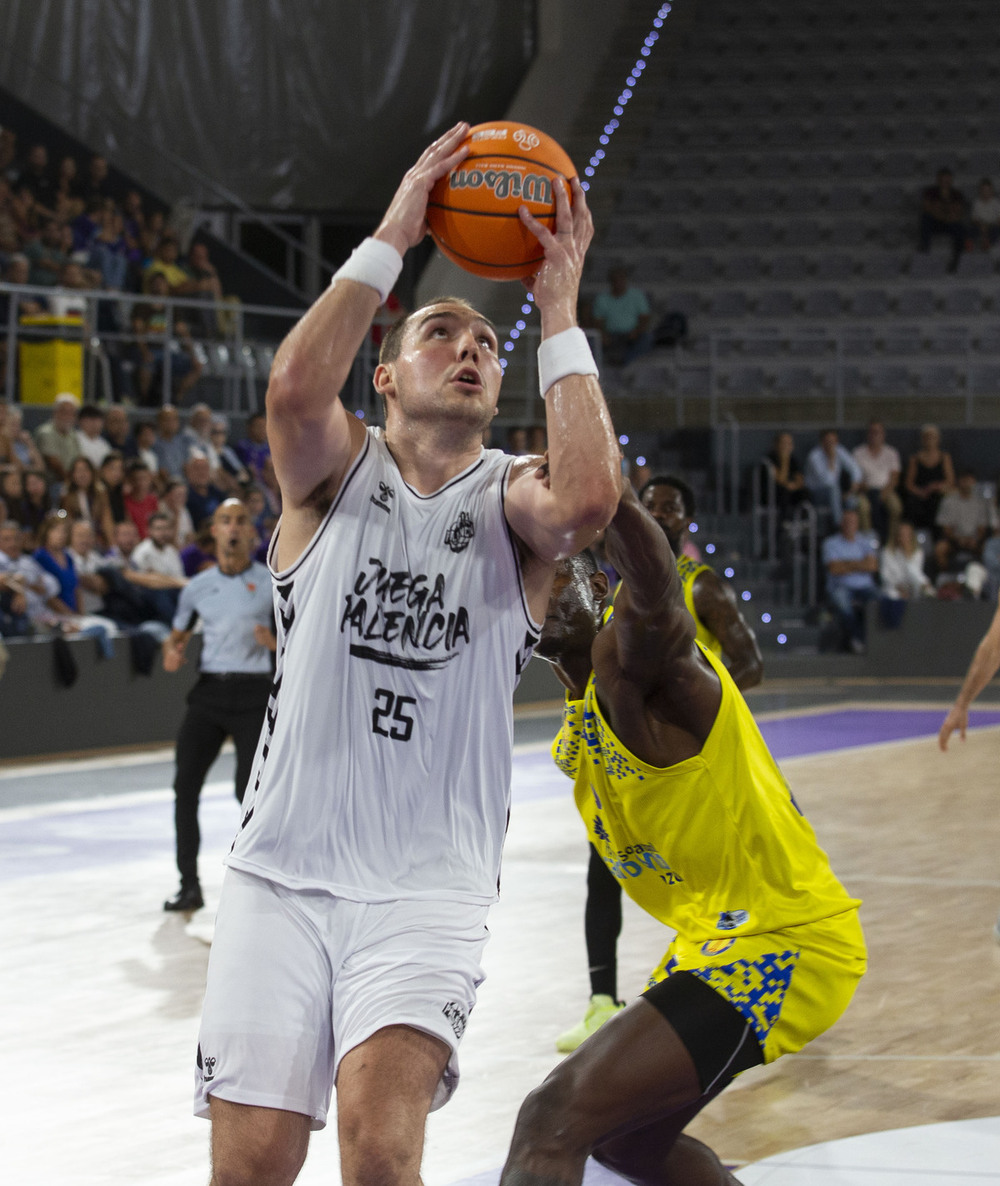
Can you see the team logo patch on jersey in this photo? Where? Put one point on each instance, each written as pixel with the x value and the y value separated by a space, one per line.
pixel 459 534
pixel 729 920
pixel 458 1019
pixel 716 946
pixel 385 496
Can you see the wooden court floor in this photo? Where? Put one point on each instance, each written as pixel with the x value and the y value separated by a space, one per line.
pixel 101 991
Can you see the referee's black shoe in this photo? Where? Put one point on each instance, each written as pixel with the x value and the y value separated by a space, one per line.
pixel 188 899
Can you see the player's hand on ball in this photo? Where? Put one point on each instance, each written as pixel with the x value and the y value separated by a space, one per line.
pixel 557 282
pixel 405 222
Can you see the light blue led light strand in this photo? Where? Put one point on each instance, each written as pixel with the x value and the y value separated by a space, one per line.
pixel 635 74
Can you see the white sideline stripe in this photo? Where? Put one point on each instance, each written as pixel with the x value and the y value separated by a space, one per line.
pixel 10 815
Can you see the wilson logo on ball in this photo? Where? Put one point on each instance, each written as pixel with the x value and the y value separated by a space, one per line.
pixel 472 212
pixel 505 183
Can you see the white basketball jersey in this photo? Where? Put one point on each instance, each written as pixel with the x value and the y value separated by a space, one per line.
pixel 383 769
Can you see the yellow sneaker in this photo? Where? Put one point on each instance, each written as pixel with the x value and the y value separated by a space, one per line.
pixel 600 1010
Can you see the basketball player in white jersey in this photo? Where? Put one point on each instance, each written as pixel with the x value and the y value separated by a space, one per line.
pixel 412 570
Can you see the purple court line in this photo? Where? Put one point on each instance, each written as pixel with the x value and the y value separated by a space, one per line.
pixel 76 840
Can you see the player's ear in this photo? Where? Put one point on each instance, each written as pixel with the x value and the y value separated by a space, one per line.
pixel 600 585
pixel 384 379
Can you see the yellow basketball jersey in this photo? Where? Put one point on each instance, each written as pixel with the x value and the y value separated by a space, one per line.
pixel 714 846
pixel 689 570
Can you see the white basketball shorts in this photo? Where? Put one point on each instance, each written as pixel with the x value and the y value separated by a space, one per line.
pixel 297 979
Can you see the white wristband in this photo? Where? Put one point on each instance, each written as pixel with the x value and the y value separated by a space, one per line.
pixel 565 353
pixel 374 263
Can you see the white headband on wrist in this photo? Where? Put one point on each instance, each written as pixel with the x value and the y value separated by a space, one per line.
pixel 565 353
pixel 374 263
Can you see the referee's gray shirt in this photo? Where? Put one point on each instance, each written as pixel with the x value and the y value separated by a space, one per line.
pixel 229 608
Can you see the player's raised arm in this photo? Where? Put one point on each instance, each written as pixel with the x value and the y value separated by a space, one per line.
pixel 984 666
pixel 651 621
pixel 559 516
pixel 312 437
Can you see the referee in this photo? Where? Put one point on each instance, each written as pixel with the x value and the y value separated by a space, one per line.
pixel 233 602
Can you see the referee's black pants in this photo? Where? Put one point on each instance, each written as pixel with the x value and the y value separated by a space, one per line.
pixel 219 706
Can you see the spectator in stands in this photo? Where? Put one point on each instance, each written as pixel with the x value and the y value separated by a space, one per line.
pixel 232 473
pixel 69 189
pixel 93 446
pixel 786 469
pixel 254 450
pixel 881 468
pixel 67 299
pixel 943 212
pixel 140 497
pixel 174 503
pixel 118 431
pixel 165 263
pixel 112 475
pixel 87 561
pixel 24 575
pixel 132 596
pixel 22 446
pixel 145 440
pixel 965 518
pixel 150 325
pixel 46 256
pixel 14 620
pixel 11 489
pixel 56 438
pixel 517 441
pixel 87 225
pixel 8 154
pixel 51 554
pixel 832 476
pixel 36 503
pixel 850 558
pixel 172 447
pixel 198 434
pixel 208 287
pixel 96 183
pixel 901 565
pixel 986 215
pixel 108 253
pixel 204 497
pixel 624 318
pixel 84 497
pixel 929 476
pixel 200 553
pixel 157 554
pixel 18 271
pixel 36 177
pixel 27 216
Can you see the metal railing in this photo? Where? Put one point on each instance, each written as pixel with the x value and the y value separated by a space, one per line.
pixel 947 359
pixel 238 360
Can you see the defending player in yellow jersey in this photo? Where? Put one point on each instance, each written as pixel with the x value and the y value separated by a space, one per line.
pixel 693 817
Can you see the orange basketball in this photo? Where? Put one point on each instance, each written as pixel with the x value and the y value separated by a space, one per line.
pixel 472 213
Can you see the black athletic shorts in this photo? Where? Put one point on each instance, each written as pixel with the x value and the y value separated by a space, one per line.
pixel 717 1037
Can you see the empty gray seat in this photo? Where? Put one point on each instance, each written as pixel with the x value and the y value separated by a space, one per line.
pixel 776 303
pixel 963 302
pixel 858 341
pixel 889 199
pixel 881 265
pixel 743 267
pixel 747 381
pixel 928 265
pixel 766 344
pixel 762 199
pixel 984 379
pixel 651 378
pixel 710 232
pixel 754 233
pixel 802 232
pixel 732 303
pixel 822 302
pixel 888 379
pixel 902 339
pixel 870 302
pixel 834 267
pixel 806 343
pixel 795 380
pixel 987 340
pixel 789 267
pixel 938 379
pixel 948 339
pixel 845 199
pixel 694 269
pixel 693 381
pixel 720 201
pixel 976 265
pixel 685 301
pixel 916 302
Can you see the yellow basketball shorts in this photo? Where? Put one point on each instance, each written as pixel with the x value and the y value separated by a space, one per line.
pixel 788 985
